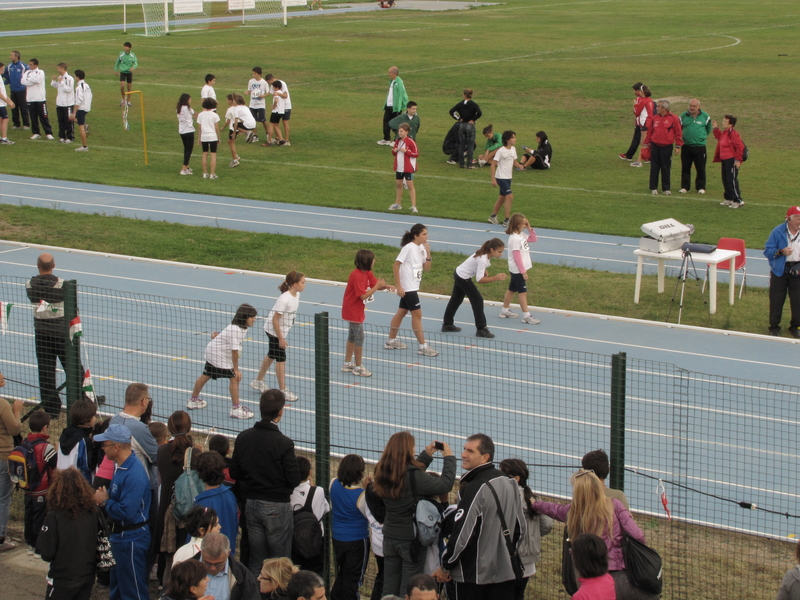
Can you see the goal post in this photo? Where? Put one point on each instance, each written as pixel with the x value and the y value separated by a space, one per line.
pixel 168 16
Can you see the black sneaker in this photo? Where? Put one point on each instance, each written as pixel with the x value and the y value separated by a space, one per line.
pixel 450 329
pixel 484 333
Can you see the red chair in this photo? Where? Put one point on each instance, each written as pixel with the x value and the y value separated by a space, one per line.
pixel 739 264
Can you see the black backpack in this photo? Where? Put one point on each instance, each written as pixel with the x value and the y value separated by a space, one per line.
pixel 643 565
pixel 307 537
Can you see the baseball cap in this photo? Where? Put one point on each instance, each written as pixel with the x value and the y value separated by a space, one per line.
pixel 793 210
pixel 115 433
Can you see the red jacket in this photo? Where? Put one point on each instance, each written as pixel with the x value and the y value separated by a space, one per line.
pixel 665 130
pixel 405 162
pixel 637 109
pixel 729 145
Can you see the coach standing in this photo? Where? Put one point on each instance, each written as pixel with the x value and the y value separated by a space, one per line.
pixel 665 130
pixel 783 253
pixel 729 152
pixel 696 125
pixel 13 77
pixel 396 101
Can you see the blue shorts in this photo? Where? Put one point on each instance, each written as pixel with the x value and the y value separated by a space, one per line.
pixel 3 112
pixel 259 114
pixel 517 284
pixel 80 117
pixel 505 186
pixel 410 302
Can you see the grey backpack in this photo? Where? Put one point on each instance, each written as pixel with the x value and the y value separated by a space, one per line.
pixel 427 518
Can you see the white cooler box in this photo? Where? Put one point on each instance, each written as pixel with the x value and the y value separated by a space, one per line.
pixel 663 236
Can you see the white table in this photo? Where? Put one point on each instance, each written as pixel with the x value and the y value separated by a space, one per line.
pixel 712 259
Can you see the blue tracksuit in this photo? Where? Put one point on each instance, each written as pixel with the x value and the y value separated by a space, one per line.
pixel 13 75
pixel 129 504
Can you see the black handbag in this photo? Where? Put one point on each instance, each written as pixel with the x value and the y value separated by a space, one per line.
pixel 642 564
pixel 567 568
pixel 104 558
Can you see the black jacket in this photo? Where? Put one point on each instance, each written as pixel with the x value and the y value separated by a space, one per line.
pixel 466 110
pixel 69 546
pixel 264 459
pixel 48 288
pixel 245 585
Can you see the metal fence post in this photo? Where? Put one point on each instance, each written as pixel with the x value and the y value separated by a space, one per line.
pixel 72 348
pixel 617 455
pixel 322 419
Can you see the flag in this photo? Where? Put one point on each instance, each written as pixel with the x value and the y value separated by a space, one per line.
pixel 88 388
pixel 5 312
pixel 75 329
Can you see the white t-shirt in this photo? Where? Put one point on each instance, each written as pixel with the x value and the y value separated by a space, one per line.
pixel 287 306
pixel 258 90
pixel 288 100
pixel 505 157
pixel 230 116
pixel 518 241
pixel 319 505
pixel 278 104
pixel 412 257
pixel 474 266
pixel 187 551
pixel 185 121
pixel 218 351
pixel 206 120
pixel 245 117
pixel 83 96
pixel 208 92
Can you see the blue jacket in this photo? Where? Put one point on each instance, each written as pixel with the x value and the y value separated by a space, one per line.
pixel 129 499
pixel 223 501
pixel 146 442
pixel 13 75
pixel 777 241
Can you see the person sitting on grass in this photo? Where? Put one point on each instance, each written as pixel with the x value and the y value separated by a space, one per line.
pixel 540 158
pixel 494 141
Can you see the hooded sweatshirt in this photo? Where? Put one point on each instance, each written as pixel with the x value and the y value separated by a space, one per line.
pixel 76 449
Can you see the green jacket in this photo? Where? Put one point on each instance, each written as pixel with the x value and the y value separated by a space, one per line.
pixel 494 142
pixel 126 62
pixel 399 96
pixel 695 129
pixel 413 123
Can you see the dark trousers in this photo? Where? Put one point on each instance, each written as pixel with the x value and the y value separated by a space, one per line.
pixel 56 591
pixel 351 562
pixel 487 591
pixel 519 588
pixel 20 108
pixel 388 115
pixel 35 511
pixel 693 155
pixel 466 143
pixel 65 129
pixel 778 288
pixel 48 349
pixel 730 180
pixel 377 585
pixel 188 146
pixel 38 112
pixel 660 162
pixel 461 288
pixel 637 139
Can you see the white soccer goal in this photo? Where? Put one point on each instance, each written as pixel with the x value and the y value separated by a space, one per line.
pixel 166 16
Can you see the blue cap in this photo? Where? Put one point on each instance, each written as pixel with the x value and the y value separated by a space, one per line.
pixel 115 433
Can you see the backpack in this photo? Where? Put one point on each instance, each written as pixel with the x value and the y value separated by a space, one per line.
pixel 745 153
pixel 23 468
pixel 307 537
pixel 427 518
pixel 642 564
pixel 187 487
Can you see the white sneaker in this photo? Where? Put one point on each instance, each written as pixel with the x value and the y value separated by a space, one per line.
pixel 667 193
pixel 507 314
pixel 62 141
pixel 67 141
pixel 259 385
pixel 414 209
pixel 395 207
pixel 530 320
pixel 287 142
pixel 193 404
pixel 49 136
pixel 129 104
pixel 205 175
pixel 36 136
pixel 428 351
pixel 347 367
pixel 701 191
pixel 234 163
pixel 394 344
pixel 240 411
pixel 636 164
pixel 726 203
pixel 185 172
pixel 290 397
pixel 82 149
pixel 213 176
pixel 7 142
pixel 493 220
pixel 654 192
pixel 384 143
pixel 30 550
pixel 361 372
pixel 683 191
pixel 481 162
pixel 736 204
pixel 122 102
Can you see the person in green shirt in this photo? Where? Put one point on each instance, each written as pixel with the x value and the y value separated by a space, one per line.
pixel 696 125
pixel 411 117
pixel 494 141
pixel 394 104
pixel 126 63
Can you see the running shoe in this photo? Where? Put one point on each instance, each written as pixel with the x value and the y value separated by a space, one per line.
pixel 259 385
pixel 395 207
pixel 428 351
pixel 530 320
pixel 507 314
pixel 290 397
pixel 195 403
pixel 493 220
pixel 394 345
pixel 347 367
pixel 240 411
pixel 361 372
pixel 624 157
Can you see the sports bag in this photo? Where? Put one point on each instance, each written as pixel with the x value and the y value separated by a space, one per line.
pixel 642 564
pixel 568 577
pixel 307 536
pixel 427 518
pixel 104 557
pixel 187 487
pixel 22 466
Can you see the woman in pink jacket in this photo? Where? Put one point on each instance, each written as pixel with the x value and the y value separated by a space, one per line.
pixel 592 512
pixel 729 152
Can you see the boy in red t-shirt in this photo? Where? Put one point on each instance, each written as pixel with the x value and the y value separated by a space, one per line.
pixel 361 285
pixel 46 461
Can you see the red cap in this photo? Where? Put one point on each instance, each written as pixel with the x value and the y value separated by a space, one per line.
pixel 793 210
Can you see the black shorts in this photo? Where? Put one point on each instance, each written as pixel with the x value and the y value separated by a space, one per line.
pixel 410 301
pixel 275 352
pixel 398 176
pixel 275 118
pixel 210 146
pixel 126 77
pixel 216 373
pixel 80 117
pixel 259 114
pixel 287 114
pixel 3 112
pixel 517 284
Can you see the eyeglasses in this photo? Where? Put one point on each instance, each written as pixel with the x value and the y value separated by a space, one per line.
pixel 148 398
pixel 214 565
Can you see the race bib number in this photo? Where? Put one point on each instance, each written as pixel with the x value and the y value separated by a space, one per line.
pixel 525 246
pixel 369 299
pixel 417 273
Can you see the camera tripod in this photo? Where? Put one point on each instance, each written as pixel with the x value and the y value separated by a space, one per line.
pixel 685 263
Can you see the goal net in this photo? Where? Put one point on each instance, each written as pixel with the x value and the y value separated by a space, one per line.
pixel 162 17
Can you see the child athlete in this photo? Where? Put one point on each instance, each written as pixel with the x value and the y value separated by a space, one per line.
pixel 503 163
pixel 414 258
pixel 186 130
pixel 475 266
pixel 519 261
pixel 405 164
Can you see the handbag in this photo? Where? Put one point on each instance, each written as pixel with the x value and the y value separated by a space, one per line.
pixel 104 557
pixel 642 564
pixel 516 561
pixel 187 487
pixel 567 567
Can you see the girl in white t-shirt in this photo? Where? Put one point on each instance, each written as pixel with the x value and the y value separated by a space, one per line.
pixel 208 120
pixel 414 258
pixel 277 327
pixel 186 130
pixel 475 266
pixel 222 361
pixel 503 163
pixel 519 261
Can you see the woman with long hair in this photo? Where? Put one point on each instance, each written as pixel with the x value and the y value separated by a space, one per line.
pixel 393 482
pixel 591 511
pixel 68 540
pixel 274 577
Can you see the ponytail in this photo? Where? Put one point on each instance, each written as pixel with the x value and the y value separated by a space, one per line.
pixel 292 278
pixel 488 246
pixel 409 235
pixel 488 129
pixel 514 467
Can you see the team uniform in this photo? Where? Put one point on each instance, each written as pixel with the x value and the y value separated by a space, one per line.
pixel 65 100
pixel 695 131
pixel 208 92
pixel 287 306
pixel 730 150
pixel 83 105
pixel 219 362
pixel 405 163
pixel 126 62
pixel 33 79
pixel 474 266
pixel 278 109
pixel 545 154
pixel 186 131
pixel 412 259
pixel 208 135
pixel 662 133
pixel 13 76
pixel 505 157
pixel 518 242
pixel 287 102
pixel 259 89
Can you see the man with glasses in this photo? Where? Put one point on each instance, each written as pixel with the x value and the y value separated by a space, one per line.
pixel 127 504
pixel 228 579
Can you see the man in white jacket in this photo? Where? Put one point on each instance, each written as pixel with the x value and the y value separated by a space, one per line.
pixel 33 79
pixel 64 83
